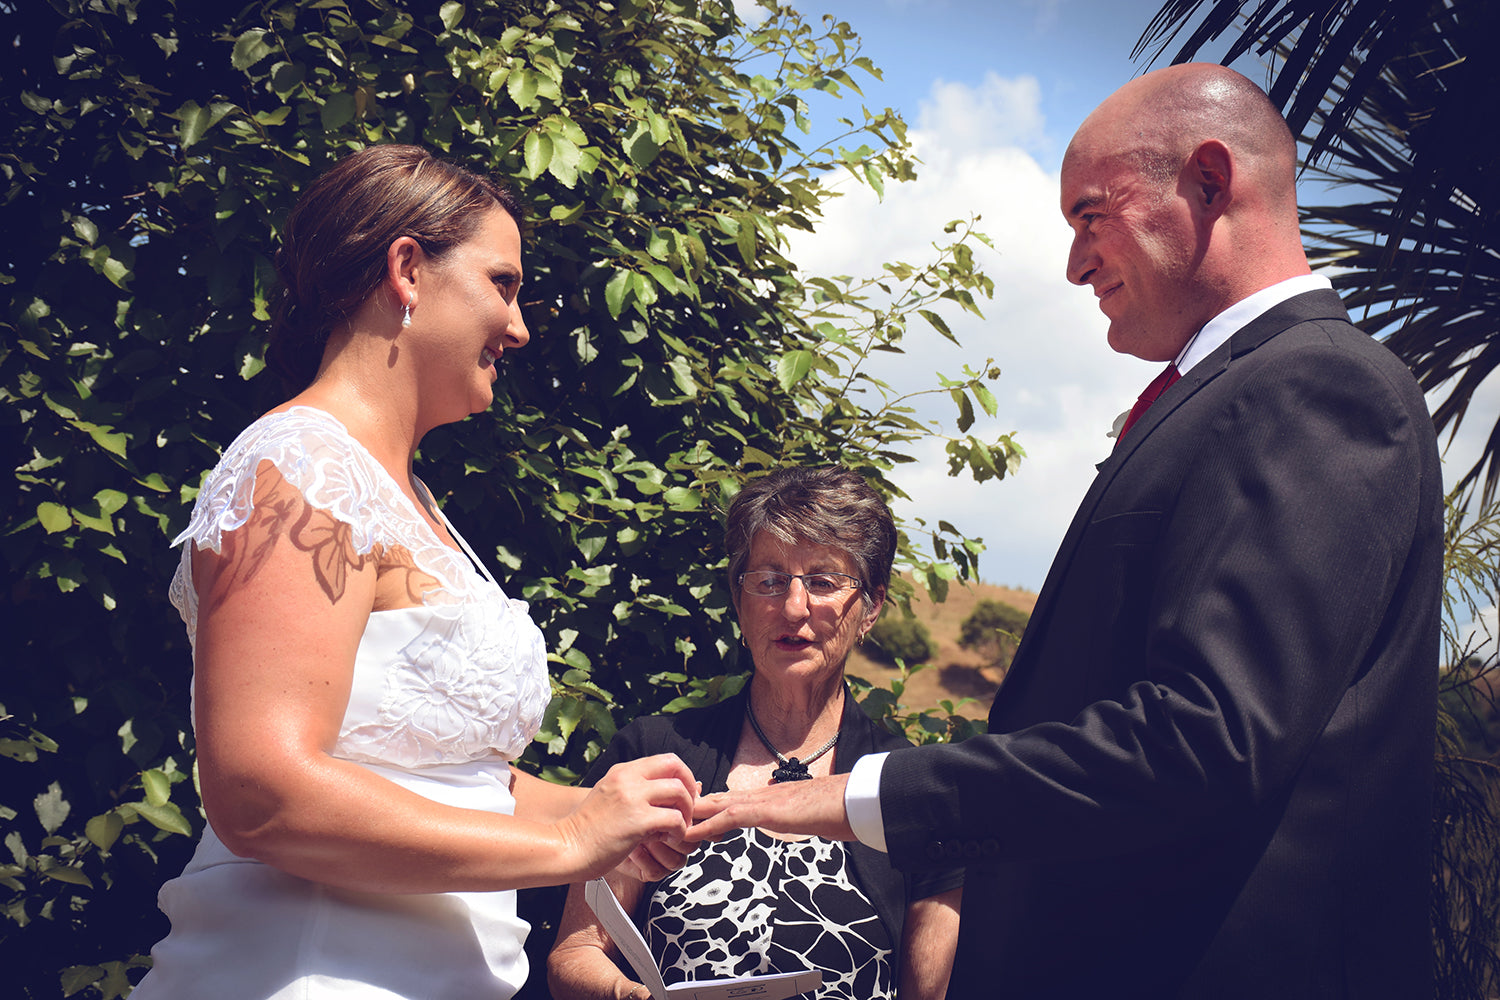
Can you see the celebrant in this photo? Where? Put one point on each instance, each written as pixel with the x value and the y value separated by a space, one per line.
pixel 810 554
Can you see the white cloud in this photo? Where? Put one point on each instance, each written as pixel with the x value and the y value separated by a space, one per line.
pixel 1478 637
pixel 999 113
pixel 1060 387
pixel 750 11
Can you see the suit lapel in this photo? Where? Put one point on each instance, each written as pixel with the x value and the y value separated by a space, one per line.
pixel 1283 316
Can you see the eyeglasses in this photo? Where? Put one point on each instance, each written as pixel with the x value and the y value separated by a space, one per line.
pixel 765 583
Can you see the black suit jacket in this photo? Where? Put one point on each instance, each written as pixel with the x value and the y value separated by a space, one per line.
pixel 1208 772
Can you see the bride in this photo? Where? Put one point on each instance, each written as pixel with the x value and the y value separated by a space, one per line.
pixel 361 683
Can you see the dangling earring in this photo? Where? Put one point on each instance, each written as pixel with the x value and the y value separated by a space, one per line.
pixel 406 315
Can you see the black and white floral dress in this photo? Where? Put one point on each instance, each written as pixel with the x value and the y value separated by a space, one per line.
pixel 752 903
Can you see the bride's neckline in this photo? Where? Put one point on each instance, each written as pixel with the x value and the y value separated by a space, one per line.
pixel 419 488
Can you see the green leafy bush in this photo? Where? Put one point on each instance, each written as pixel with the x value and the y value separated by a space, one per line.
pixel 993 629
pixel 153 151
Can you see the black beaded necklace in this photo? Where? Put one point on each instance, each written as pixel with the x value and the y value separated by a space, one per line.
pixel 789 768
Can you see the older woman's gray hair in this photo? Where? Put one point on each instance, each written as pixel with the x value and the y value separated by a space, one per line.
pixel 829 505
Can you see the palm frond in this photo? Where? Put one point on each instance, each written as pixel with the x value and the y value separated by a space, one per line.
pixel 1385 95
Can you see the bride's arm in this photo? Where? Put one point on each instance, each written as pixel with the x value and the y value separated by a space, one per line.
pixel 543 801
pixel 282 607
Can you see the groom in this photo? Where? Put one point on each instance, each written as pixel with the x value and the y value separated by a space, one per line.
pixel 1208 771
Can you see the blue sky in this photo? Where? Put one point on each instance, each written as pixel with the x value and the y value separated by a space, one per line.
pixel 1078 51
pixel 993 90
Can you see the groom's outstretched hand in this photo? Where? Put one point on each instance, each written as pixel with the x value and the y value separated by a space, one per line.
pixel 814 807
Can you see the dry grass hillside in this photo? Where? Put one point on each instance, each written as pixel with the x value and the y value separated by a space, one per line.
pixel 954 672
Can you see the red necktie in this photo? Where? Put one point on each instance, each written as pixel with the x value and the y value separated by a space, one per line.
pixel 1158 386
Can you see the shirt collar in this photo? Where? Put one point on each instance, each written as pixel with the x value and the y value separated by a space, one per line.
pixel 1237 316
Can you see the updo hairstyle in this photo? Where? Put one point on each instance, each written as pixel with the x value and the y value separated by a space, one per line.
pixel 333 248
pixel 829 506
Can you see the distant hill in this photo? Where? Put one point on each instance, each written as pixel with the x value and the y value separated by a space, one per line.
pixel 954 672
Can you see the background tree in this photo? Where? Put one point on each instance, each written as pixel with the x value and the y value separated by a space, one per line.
pixel 1385 97
pixel 994 629
pixel 153 151
pixel 897 636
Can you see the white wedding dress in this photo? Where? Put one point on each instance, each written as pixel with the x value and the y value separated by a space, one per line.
pixel 444 695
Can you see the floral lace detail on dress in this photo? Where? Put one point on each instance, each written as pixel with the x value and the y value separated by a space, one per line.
pixel 470 684
pixel 462 677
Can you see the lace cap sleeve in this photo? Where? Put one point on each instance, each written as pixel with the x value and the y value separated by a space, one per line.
pixel 314 453
pixel 317 456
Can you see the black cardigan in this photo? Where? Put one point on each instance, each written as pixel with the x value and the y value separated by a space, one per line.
pixel 706 739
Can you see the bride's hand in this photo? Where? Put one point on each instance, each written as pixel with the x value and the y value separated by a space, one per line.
pixel 655 859
pixel 640 811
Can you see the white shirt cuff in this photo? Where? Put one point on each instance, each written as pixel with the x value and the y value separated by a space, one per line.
pixel 862 801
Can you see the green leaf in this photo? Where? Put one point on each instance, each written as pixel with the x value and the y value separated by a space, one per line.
pixel 986 398
pixel 76 978
pixel 103 830
pixel 682 376
pixel 51 808
pixel 250 48
pixel 54 517
pixel 522 87
pixel 35 102
pixel 94 522
pixel 111 441
pixel 196 121
pixel 164 817
pixel 337 111
pixel 640 146
pixel 792 367
pixel 395 44
pixel 22 750
pixel 614 292
pixel 63 873
pixel 938 323
pixel 590 547
pixel 965 409
pixel 745 240
pixel 158 787
pixel 664 277
pixel 563 163
pixel 451 14
pixel 115 270
pixel 285 78
pixel 538 151
pixel 682 498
